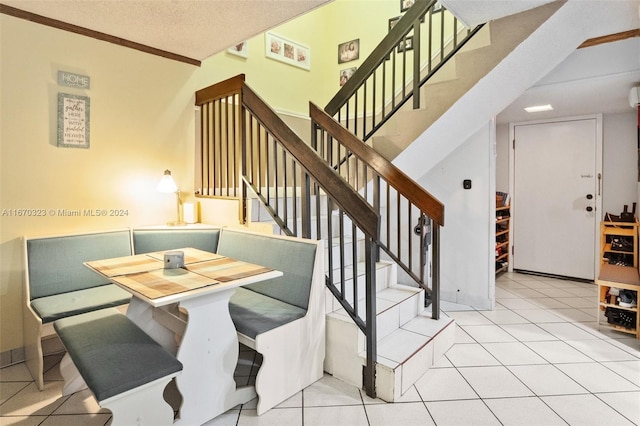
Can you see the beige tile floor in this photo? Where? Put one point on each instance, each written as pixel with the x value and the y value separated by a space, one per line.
pixel 536 359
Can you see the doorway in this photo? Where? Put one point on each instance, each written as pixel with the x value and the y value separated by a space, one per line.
pixel 555 172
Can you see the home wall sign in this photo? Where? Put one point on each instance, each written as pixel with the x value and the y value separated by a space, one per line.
pixel 74 80
pixel 73 120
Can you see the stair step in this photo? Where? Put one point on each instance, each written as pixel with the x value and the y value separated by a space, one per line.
pixel 403 356
pixel 409 352
pixel 395 307
pixel 385 274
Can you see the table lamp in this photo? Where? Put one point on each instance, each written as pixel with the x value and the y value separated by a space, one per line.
pixel 168 185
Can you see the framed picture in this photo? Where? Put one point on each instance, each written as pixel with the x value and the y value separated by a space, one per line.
pixel 73 120
pixel 393 22
pixel 406 4
pixel 346 74
pixel 406 44
pixel 349 51
pixel 287 51
pixel 240 49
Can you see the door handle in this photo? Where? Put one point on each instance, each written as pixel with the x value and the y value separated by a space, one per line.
pixel 589 196
pixel 599 182
pixel 589 208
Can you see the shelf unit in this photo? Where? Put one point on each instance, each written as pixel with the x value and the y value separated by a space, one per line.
pixel 503 219
pixel 623 232
pixel 618 271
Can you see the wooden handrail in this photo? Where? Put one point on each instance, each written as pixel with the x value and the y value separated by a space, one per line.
pixel 369 65
pixel 219 90
pixel 390 173
pixel 344 195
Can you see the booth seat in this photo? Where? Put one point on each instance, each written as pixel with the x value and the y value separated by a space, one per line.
pixel 125 369
pixel 281 318
pixel 58 285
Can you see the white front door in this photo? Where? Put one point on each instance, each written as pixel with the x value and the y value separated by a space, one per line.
pixel 555 196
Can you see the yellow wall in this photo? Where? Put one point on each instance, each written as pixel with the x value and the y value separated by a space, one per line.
pixel 289 89
pixel 141 121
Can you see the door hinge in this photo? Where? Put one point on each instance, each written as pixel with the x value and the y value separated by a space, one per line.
pixel 513 250
pixel 514 143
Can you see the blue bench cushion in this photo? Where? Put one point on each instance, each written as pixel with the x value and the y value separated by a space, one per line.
pixel 294 258
pixel 55 264
pixel 151 240
pixel 58 306
pixel 253 313
pixel 112 354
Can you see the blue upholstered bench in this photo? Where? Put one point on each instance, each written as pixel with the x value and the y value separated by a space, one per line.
pixel 150 240
pixel 281 318
pixel 125 369
pixel 58 285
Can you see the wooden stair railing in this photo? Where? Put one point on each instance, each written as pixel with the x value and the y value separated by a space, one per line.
pixel 243 143
pixel 407 212
pixel 394 72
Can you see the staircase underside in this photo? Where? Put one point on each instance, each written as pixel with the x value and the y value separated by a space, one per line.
pixel 562 27
pixel 488 48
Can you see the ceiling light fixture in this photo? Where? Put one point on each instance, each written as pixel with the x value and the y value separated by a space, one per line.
pixel 539 108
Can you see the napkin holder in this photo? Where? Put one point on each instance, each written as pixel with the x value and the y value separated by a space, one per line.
pixel 173 259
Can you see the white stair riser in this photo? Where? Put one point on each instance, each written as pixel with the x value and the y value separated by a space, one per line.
pixel 384 275
pixel 391 383
pixel 259 213
pixel 392 380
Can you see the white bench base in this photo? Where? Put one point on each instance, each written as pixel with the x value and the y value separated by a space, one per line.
pixel 138 406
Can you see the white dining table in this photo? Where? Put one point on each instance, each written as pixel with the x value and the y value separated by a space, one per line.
pixel 187 311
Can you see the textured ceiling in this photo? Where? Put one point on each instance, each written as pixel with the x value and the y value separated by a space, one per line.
pixel 195 29
pixel 594 79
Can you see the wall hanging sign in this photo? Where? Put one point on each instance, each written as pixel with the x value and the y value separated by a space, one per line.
pixel 74 80
pixel 287 51
pixel 73 121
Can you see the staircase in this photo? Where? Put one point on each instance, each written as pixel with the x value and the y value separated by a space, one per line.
pixel 380 336
pixel 409 341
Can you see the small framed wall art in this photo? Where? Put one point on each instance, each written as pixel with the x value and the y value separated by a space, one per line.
pixel 240 49
pixel 406 4
pixel 349 51
pixel 406 44
pixel 73 120
pixel 346 74
pixel 287 51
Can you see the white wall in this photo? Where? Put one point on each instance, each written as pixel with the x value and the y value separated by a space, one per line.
pixel 467 255
pixel 502 157
pixel 620 159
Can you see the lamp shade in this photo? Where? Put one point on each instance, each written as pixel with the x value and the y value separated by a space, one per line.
pixel 167 184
